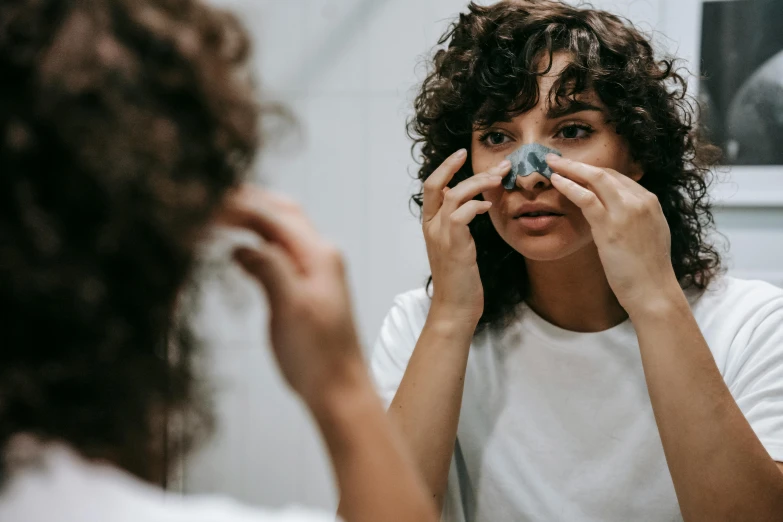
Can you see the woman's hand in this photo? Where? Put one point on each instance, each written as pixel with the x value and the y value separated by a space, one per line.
pixel 629 229
pixel 446 213
pixel 311 324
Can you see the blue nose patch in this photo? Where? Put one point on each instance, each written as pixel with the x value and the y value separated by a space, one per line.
pixel 526 160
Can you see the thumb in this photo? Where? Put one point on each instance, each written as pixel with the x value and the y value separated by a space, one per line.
pixel 271 267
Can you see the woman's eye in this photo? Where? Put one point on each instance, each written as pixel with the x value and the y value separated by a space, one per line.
pixel 495 138
pixel 573 132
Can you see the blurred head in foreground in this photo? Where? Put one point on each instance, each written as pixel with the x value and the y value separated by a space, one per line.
pixel 123 123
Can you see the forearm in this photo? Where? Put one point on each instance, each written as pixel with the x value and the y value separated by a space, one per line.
pixel 427 405
pixel 720 469
pixel 378 480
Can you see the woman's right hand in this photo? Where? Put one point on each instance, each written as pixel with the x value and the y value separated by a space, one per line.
pixel 446 213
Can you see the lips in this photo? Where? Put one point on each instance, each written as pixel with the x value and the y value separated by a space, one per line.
pixel 538 221
pixel 535 210
pixel 539 213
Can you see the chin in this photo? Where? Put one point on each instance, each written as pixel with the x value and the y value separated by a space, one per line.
pixel 549 247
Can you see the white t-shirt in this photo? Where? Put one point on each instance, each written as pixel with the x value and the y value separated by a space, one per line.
pixel 57 485
pixel 558 426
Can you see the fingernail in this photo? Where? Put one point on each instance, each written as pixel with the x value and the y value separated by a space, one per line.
pixel 553 157
pixel 461 153
pixel 504 164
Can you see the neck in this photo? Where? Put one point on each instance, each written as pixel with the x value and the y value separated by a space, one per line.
pixel 573 292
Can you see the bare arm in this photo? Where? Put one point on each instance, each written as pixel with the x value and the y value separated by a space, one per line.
pixel 427 404
pixel 720 469
pixel 376 476
pixel 316 346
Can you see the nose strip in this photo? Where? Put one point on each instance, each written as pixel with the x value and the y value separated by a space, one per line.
pixel 526 160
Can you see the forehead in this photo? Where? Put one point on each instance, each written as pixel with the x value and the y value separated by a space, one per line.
pixel 550 70
pixel 560 60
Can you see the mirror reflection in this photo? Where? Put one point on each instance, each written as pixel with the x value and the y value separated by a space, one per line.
pixel 391 260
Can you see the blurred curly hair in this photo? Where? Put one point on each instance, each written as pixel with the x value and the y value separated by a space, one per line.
pixel 487 70
pixel 122 125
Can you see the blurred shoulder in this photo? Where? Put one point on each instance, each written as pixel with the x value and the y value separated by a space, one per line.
pixel 415 302
pixel 741 295
pixel 53 482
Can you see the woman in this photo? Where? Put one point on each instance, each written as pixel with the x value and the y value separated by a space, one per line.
pixel 126 127
pixel 580 357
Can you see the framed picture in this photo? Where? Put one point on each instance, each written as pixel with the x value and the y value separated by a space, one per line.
pixel 736 48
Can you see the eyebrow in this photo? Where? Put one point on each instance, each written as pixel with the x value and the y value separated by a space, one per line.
pixel 575 106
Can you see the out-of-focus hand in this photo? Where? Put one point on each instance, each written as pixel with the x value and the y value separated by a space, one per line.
pixel 311 323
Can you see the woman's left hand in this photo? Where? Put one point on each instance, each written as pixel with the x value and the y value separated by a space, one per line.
pixel 628 226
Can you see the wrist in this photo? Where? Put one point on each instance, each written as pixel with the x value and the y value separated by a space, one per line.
pixel 659 303
pixel 348 386
pixel 448 319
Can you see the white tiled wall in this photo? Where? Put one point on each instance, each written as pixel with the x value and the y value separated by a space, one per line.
pixel 346 68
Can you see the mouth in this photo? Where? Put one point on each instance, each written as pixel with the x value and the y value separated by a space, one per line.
pixel 538 221
pixel 538 213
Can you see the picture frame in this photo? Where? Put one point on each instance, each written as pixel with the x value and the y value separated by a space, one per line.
pixel 753 186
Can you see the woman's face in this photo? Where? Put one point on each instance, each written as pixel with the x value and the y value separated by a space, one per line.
pixel 580 133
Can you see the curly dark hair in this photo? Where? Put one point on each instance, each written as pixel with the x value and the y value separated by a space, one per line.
pixel 123 123
pixel 489 72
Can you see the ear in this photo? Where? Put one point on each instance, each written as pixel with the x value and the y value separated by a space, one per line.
pixel 636 173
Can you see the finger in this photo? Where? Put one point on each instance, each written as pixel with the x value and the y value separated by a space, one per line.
pixel 437 181
pixel 473 186
pixel 467 190
pixel 275 229
pixel 468 212
pixel 641 196
pixel 628 182
pixel 271 267
pixel 601 182
pixel 250 197
pixel 634 195
pixel 277 221
pixel 590 205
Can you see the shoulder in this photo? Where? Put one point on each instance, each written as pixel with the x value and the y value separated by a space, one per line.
pixel 414 303
pixel 55 482
pixel 397 339
pixel 740 320
pixel 406 317
pixel 737 297
pixel 206 509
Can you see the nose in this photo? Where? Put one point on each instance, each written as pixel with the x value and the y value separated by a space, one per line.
pixel 535 182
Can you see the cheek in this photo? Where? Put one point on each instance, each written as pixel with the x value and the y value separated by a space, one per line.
pixel 495 196
pixel 482 159
pixel 599 155
pixel 608 151
pixel 499 221
pixel 496 213
pixel 578 223
pixel 576 219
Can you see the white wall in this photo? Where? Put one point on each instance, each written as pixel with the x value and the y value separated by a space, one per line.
pixel 346 67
